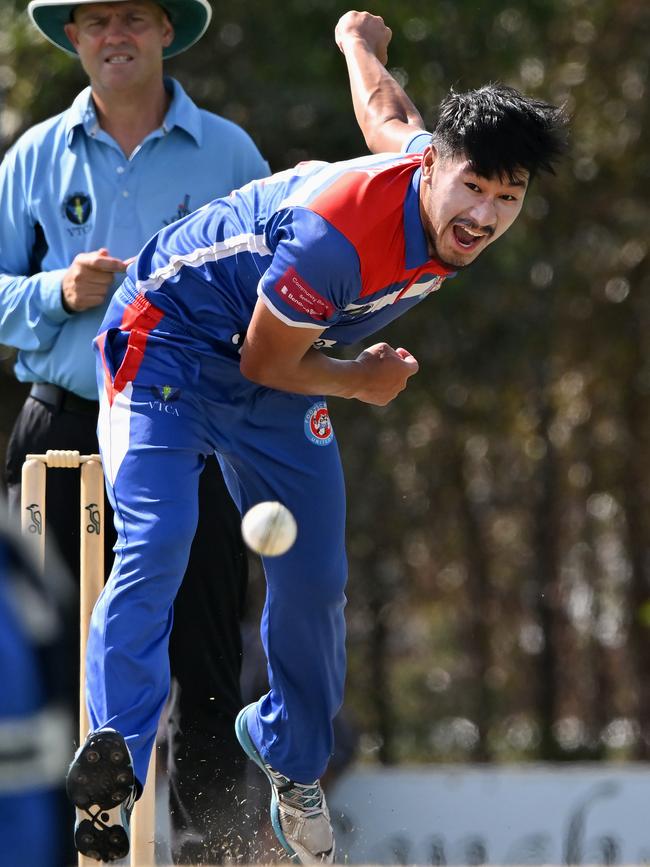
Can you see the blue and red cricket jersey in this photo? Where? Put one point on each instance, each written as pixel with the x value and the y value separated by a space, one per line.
pixel 338 248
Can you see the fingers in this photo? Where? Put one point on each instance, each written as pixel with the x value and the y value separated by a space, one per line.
pixel 88 279
pixel 103 262
pixel 386 373
pixel 384 350
pixel 411 360
pixel 365 27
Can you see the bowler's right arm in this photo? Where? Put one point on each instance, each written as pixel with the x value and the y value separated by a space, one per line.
pixel 387 117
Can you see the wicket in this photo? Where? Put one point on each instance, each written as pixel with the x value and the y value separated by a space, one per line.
pixel 33 524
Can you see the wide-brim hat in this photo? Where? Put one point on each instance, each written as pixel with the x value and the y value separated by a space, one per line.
pixel 189 18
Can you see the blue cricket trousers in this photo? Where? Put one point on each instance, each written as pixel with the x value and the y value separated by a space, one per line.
pixel 165 406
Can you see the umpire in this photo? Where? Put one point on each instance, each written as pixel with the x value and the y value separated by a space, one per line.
pixel 82 192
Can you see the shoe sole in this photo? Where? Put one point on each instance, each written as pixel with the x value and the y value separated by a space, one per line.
pixel 99 781
pixel 246 743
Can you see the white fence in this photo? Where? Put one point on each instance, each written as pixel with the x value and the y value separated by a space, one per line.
pixel 528 814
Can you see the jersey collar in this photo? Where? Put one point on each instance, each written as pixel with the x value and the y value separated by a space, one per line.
pixel 415 239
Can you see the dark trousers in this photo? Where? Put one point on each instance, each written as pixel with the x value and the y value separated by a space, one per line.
pixel 206 766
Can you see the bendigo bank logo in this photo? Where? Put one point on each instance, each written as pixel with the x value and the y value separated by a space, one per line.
pixel 318 428
pixel 297 293
pixel 77 208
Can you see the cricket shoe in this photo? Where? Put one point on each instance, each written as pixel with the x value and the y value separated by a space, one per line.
pixel 299 814
pixel 101 785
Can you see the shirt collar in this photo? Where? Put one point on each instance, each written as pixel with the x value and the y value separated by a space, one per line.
pixel 182 113
pixel 82 114
pixel 415 239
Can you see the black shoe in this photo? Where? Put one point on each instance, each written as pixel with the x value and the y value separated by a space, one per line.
pixel 101 785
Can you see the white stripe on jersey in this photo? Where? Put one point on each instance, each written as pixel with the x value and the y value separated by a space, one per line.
pixel 304 168
pixel 370 164
pixel 220 250
pixel 423 287
pixel 114 429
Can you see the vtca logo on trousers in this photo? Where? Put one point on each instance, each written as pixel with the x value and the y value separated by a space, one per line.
pixel 165 397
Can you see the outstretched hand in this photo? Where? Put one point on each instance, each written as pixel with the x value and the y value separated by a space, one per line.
pixel 367 28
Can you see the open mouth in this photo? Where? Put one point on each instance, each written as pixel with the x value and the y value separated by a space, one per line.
pixel 117 59
pixel 467 237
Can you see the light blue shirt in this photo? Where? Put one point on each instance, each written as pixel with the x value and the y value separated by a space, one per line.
pixel 66 187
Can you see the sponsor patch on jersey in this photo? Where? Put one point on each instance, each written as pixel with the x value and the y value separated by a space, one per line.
pixel 318 428
pixel 78 208
pixel 297 293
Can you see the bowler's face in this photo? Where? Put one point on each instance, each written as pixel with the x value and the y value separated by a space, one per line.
pixel 120 44
pixel 463 212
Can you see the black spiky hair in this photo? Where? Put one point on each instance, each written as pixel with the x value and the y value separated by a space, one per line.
pixel 499 130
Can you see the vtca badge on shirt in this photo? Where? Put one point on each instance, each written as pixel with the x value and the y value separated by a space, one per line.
pixel 77 210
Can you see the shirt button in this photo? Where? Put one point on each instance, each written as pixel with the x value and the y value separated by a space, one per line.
pixel 120 170
pixel 125 193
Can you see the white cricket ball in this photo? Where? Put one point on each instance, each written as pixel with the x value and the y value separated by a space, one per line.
pixel 269 529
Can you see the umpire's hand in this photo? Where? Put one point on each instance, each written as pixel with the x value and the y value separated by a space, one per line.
pixel 87 280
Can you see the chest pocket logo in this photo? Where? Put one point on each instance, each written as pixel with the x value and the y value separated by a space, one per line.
pixel 77 208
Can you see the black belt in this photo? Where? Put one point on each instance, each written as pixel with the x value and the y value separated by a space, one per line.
pixel 58 399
